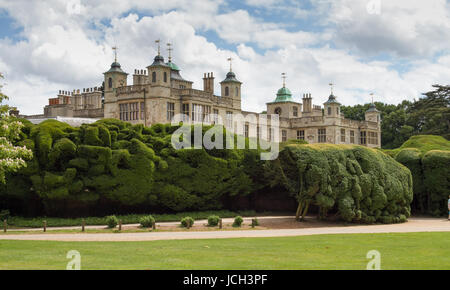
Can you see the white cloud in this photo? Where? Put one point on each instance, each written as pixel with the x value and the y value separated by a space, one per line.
pixel 403 27
pixel 61 51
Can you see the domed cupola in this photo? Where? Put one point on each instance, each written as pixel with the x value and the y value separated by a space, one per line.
pixel 332 100
pixel 116 68
pixel 284 94
pixel 174 69
pixel 231 78
pixel 158 61
pixel 372 108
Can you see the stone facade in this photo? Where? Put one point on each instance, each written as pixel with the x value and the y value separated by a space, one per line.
pixel 159 93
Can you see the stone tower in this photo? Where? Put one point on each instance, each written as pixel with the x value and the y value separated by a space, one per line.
pixel 231 88
pixel 114 78
pixel 332 107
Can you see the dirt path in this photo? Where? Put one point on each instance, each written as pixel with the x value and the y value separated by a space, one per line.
pixel 414 225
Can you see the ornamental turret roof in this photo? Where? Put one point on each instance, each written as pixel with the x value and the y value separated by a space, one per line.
pixel 332 100
pixel 231 78
pixel 283 95
pixel 116 68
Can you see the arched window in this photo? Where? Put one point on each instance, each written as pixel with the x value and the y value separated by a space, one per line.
pixel 237 92
pixel 110 83
pixel 165 77
pixel 154 77
pixel 227 91
pixel 329 110
pixel 337 110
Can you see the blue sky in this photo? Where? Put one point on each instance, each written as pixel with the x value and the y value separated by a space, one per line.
pixel 395 49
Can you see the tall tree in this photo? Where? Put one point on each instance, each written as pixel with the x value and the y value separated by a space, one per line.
pixel 430 115
pixel 11 157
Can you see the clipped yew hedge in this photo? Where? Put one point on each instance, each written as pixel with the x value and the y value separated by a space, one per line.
pixel 360 184
pixel 115 167
pixel 428 158
pixel 117 164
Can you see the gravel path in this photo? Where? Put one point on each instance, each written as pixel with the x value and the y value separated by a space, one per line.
pixel 414 225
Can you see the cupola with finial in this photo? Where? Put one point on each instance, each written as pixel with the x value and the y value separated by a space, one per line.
pixel 332 106
pixel 115 77
pixel 231 87
pixel 159 72
pixel 372 114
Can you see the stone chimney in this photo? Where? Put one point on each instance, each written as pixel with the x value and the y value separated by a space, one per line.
pixel 208 83
pixel 307 103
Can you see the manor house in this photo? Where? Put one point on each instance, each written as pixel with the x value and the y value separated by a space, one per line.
pixel 159 92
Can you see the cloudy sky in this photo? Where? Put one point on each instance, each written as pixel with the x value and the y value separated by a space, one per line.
pixel 395 49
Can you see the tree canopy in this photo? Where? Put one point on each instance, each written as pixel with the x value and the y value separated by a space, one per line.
pixel 12 157
pixel 429 115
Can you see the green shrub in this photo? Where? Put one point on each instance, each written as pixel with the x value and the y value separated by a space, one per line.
pixel 436 168
pixel 358 182
pixel 213 220
pixel 147 221
pixel 255 222
pixel 187 222
pixel 112 221
pixel 238 221
pixel 427 158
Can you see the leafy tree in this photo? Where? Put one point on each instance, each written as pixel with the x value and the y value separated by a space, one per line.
pixel 429 115
pixel 11 157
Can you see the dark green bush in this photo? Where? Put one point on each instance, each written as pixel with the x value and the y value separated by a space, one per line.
pixel 112 221
pixel 436 168
pixel 255 222
pixel 427 158
pixel 213 220
pixel 187 222
pixel 359 183
pixel 147 221
pixel 238 221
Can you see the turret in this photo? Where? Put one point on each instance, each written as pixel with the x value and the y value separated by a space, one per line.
pixel 114 78
pixel 372 114
pixel 332 106
pixel 231 88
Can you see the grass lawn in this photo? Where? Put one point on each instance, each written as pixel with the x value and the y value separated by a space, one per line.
pixel 398 251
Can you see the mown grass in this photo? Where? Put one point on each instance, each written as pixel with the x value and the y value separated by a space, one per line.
pixel 21 222
pixel 398 251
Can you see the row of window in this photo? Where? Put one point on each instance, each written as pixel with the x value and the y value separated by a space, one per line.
pixel 322 136
pixel 132 111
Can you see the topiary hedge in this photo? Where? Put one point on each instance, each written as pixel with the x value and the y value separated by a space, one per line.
pixel 118 167
pixel 428 159
pixel 436 171
pixel 114 164
pixel 361 184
